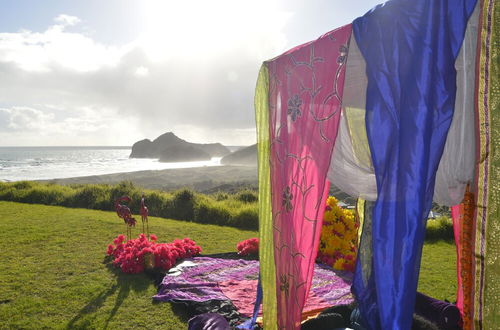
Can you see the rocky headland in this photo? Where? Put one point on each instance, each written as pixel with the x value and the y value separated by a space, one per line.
pixel 246 156
pixel 170 148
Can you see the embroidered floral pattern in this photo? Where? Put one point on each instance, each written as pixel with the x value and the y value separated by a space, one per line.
pixel 287 199
pixel 294 107
pixel 284 285
pixel 343 54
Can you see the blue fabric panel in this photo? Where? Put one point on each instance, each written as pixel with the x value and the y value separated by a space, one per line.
pixel 410 47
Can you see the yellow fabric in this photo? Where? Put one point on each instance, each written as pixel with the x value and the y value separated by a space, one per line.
pixel 357 128
pixel 360 212
pixel 266 245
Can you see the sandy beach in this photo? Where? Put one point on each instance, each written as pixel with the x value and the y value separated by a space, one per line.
pixel 202 179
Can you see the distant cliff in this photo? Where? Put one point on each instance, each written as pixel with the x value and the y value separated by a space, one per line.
pixel 183 154
pixel 170 148
pixel 245 156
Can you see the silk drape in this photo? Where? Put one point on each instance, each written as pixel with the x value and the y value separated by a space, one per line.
pixel 305 97
pixel 410 49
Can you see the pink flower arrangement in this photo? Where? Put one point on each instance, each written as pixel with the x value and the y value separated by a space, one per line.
pixel 247 247
pixel 130 255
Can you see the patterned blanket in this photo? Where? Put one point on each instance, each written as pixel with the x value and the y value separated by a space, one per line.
pixel 201 278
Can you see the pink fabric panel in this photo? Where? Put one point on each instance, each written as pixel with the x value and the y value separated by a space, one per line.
pixel 305 93
pixel 457 214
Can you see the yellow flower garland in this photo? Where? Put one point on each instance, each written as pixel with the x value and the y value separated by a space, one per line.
pixel 338 241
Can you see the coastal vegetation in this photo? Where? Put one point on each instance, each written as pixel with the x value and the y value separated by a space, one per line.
pixel 55 275
pixel 237 209
pixel 228 209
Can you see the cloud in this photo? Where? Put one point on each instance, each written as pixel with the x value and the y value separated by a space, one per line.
pixel 198 84
pixel 23 118
pixel 56 126
pixel 67 20
pixel 55 47
pixel 141 71
pixel 212 92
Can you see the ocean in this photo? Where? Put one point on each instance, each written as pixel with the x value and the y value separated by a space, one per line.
pixel 46 163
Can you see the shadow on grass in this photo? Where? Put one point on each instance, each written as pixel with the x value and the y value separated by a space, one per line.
pixel 124 284
pixel 434 239
pixel 181 311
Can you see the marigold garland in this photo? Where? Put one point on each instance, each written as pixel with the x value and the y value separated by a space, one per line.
pixel 338 241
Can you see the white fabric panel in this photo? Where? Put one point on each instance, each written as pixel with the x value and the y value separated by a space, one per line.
pixel 351 169
pixel 456 167
pixel 346 172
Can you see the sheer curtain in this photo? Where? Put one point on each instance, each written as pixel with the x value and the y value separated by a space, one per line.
pixel 305 97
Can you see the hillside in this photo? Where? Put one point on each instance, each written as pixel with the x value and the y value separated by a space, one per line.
pixel 245 156
pixel 183 153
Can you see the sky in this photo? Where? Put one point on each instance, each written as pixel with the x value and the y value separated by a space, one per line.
pixel 93 72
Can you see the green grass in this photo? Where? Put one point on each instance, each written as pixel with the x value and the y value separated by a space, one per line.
pixel 438 273
pixel 53 274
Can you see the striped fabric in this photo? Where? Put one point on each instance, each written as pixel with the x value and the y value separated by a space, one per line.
pixel 463 227
pixel 486 307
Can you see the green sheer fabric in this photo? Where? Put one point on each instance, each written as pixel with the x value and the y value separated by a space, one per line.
pixel 266 245
pixel 487 217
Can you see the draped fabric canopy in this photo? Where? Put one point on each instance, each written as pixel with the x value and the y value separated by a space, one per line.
pixel 408 142
pixel 351 169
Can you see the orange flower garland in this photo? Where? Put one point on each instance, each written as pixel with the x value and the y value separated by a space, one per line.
pixel 338 241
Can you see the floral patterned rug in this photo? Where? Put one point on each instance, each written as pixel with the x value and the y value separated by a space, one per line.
pixel 203 278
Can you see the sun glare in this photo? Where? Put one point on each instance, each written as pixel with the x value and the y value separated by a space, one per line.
pixel 202 28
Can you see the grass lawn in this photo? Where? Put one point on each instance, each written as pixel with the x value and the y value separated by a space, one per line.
pixel 438 272
pixel 52 273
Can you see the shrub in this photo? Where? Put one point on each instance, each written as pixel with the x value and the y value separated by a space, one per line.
pixel 247 219
pixel 222 208
pixel 184 196
pixel 9 193
pixel 93 197
pixel 440 228
pixel 206 212
pixel 183 205
pixel 23 185
pixel 127 188
pixel 237 210
pixel 247 196
pixel 46 195
pixel 155 202
pixel 220 196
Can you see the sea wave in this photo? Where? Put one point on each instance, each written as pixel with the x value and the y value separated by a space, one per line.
pixel 48 163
